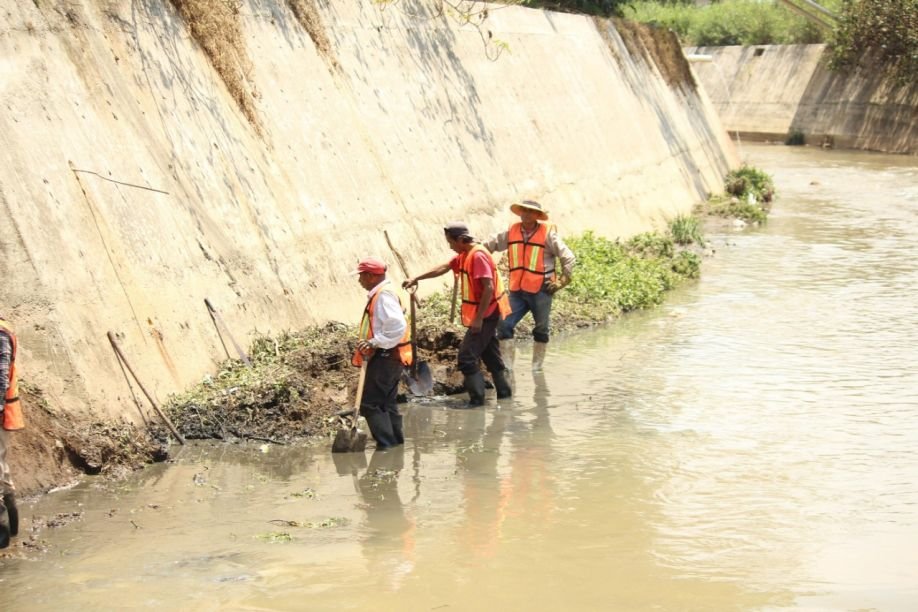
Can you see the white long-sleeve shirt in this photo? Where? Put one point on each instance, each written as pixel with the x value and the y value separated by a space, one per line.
pixel 389 320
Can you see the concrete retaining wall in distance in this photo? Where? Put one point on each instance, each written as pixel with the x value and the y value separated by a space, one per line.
pixel 766 92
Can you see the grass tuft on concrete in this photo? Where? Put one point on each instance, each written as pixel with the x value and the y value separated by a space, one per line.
pixel 307 14
pixel 216 26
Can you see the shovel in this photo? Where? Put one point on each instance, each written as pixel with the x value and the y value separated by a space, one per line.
pixel 419 379
pixel 349 439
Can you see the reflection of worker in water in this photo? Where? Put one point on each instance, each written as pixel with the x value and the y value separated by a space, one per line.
pixel 485 494
pixel 390 541
pixel 531 473
pixel 524 487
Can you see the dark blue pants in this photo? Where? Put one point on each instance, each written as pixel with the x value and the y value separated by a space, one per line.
pixel 521 302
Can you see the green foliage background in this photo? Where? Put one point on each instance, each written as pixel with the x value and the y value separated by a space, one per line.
pixel 730 22
pixel 884 32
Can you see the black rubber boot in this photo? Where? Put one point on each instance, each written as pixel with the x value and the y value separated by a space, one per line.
pixel 4 527
pixel 9 500
pixel 501 384
pixel 381 429
pixel 475 385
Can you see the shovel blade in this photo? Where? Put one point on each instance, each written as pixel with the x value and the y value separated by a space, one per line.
pixel 348 438
pixel 422 384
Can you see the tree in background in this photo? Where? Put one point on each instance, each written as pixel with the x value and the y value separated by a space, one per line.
pixel 878 32
pixel 729 22
pixel 601 8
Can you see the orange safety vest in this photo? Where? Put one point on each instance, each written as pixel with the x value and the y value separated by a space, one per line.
pixel 365 332
pixel 527 258
pixel 12 407
pixel 470 296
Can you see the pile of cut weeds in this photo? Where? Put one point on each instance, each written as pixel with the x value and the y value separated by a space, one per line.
pixel 296 384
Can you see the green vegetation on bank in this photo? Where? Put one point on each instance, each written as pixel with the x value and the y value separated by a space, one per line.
pixel 729 22
pixel 617 277
pixel 873 33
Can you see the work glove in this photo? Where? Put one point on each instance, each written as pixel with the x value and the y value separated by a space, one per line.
pixel 554 285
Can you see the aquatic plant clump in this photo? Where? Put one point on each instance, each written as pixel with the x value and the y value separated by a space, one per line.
pixel 748 195
pixel 686 229
pixel 747 181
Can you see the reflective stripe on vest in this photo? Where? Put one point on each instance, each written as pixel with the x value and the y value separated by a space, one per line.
pixel 526 258
pixel 12 407
pixel 470 296
pixel 365 331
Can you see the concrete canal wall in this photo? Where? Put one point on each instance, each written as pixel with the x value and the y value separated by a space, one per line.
pixel 766 92
pixel 137 180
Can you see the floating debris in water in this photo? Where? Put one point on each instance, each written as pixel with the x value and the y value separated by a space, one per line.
pixel 307 493
pixel 275 537
pixel 323 524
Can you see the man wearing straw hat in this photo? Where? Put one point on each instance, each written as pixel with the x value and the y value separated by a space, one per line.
pixel 534 252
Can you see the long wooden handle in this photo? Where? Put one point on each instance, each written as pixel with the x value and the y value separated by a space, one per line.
pixel 359 396
pixel 414 340
pixel 218 319
pixel 120 354
pixel 452 308
pixel 398 256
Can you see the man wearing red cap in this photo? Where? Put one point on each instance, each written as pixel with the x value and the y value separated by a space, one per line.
pixel 535 252
pixel 385 343
pixel 484 304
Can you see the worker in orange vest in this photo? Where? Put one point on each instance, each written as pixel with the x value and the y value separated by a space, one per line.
pixel 384 340
pixel 11 421
pixel 484 304
pixel 535 251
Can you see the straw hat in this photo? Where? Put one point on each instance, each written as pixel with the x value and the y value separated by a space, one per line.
pixel 530 205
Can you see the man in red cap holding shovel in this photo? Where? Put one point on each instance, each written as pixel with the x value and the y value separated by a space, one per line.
pixel 383 341
pixel 484 304
pixel 534 251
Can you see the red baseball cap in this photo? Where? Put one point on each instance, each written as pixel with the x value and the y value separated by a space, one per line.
pixel 371 265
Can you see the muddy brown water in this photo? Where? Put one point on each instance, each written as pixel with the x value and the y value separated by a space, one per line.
pixel 748 446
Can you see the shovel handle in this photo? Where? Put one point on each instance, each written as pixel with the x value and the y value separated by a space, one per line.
pixel 360 381
pixel 414 337
pixel 452 308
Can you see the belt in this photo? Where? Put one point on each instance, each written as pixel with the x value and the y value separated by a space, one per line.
pixel 389 353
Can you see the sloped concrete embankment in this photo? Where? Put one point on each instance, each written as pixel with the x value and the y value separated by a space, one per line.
pixel 136 182
pixel 766 92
